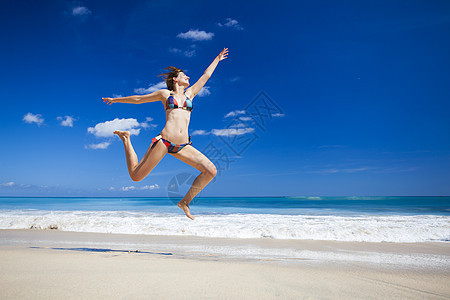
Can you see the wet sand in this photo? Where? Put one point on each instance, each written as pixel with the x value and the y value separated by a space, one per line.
pixel 54 264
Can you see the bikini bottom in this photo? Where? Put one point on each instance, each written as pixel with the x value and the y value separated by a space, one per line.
pixel 171 147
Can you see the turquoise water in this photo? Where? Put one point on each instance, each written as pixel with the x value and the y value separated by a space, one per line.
pixel 248 205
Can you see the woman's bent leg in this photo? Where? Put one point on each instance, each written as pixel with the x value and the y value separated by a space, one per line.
pixel 198 160
pixel 139 170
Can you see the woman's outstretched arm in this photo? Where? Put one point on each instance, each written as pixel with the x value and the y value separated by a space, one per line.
pixel 138 99
pixel 195 89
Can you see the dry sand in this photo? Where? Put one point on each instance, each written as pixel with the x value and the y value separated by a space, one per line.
pixel 57 265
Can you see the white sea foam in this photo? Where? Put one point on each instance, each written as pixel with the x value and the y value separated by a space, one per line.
pixel 419 228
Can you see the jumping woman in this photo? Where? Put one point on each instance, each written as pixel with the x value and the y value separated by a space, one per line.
pixel 174 138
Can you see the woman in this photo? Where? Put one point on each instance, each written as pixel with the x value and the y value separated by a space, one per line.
pixel 174 138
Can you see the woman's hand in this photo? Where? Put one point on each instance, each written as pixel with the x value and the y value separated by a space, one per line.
pixel 223 54
pixel 109 100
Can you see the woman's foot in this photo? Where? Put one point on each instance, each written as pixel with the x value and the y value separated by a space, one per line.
pixel 185 208
pixel 122 134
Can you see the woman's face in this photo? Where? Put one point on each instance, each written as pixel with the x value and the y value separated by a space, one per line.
pixel 183 79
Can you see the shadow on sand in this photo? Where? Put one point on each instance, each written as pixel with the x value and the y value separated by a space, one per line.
pixel 103 250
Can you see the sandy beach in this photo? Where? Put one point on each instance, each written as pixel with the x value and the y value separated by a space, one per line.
pixel 51 264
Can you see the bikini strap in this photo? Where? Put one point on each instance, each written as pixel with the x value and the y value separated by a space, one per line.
pixel 155 139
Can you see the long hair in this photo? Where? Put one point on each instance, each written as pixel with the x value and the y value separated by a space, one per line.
pixel 168 76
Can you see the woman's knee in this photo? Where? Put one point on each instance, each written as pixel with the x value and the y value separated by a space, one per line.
pixel 211 170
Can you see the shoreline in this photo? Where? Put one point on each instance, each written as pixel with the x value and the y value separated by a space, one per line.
pixel 243 249
pixel 54 264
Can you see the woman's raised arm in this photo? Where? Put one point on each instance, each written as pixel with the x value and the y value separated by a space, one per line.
pixel 159 95
pixel 195 89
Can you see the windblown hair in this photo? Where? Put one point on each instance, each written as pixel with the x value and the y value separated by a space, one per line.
pixel 168 76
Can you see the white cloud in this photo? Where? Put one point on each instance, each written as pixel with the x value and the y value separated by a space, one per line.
pixel 103 145
pixel 231 131
pixel 196 35
pixel 128 188
pixel 238 125
pixel 132 188
pixel 354 170
pixel 107 128
pixel 346 170
pixel 14 185
pixel 330 171
pixel 151 88
pixel 277 115
pixel 80 11
pixel 175 50
pixel 204 92
pixel 187 53
pixel 200 132
pixel 235 129
pixel 150 187
pixel 235 113
pixel 32 118
pixel 66 121
pixel 232 24
pixel 245 118
pixel 146 123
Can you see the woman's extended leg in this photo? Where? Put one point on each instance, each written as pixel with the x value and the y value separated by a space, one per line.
pixel 139 170
pixel 198 160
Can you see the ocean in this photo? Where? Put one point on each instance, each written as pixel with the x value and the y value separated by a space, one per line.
pixel 365 219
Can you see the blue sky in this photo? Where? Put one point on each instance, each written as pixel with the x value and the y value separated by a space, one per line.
pixel 359 93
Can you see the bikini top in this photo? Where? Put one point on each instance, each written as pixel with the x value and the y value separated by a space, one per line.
pixel 171 103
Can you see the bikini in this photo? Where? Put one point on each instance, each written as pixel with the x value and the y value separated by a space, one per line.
pixel 171 103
